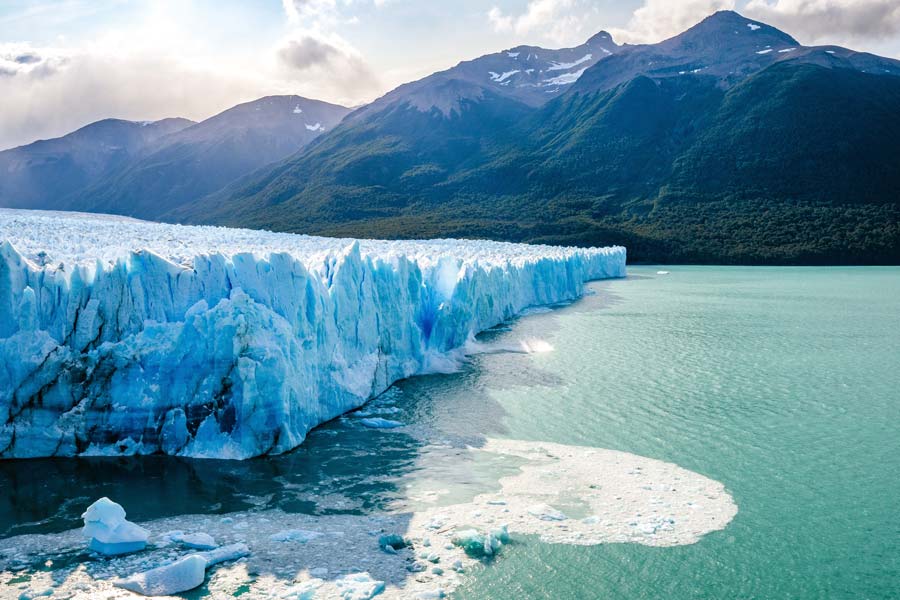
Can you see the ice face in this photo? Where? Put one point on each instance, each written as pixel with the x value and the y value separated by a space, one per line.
pixel 109 532
pixel 121 337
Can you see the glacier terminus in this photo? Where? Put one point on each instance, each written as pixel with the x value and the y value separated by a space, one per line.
pixel 120 336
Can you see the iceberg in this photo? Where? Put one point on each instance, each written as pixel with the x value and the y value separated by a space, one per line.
pixel 109 532
pixel 124 337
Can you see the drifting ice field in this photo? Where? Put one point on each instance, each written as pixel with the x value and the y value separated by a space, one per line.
pixel 120 336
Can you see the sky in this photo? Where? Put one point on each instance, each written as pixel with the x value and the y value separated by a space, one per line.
pixel 66 63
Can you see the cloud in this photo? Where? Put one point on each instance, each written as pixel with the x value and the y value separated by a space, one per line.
pixel 657 20
pixel 303 11
pixel 830 20
pixel 23 60
pixel 340 70
pixel 556 20
pixel 63 91
pixel 307 52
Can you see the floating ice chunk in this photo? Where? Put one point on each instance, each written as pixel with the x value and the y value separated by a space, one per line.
pixel 392 541
pixel 182 575
pixel 109 532
pixel 379 423
pixel 662 272
pixel 359 586
pixel 224 554
pixel 753 26
pixel 198 541
pixel 545 512
pixel 478 545
pixel 295 535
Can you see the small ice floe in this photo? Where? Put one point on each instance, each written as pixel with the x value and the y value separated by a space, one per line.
pixel 316 127
pixel 379 423
pixel 753 26
pixel 662 272
pixel 180 576
pixel 545 512
pixel 358 586
pixel 301 536
pixel 109 532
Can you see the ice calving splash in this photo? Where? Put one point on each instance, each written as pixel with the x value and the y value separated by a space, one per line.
pixel 561 494
pixel 125 337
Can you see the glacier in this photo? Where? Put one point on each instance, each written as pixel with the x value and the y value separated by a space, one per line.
pixel 120 336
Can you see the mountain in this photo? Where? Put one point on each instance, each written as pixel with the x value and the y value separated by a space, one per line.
pixel 414 136
pixel 527 74
pixel 728 143
pixel 200 159
pixel 39 174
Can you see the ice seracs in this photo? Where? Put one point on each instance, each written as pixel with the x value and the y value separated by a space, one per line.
pixel 125 337
pixel 108 530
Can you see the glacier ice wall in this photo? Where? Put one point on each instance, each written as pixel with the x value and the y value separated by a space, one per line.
pixel 121 337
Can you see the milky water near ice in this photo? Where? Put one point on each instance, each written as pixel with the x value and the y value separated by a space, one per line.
pixel 562 494
pixel 125 337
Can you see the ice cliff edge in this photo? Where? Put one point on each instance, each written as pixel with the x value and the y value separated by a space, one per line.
pixel 121 337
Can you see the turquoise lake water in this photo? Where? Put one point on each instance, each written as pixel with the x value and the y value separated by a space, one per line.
pixel 782 383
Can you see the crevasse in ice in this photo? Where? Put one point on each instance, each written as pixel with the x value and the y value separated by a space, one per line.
pixel 120 336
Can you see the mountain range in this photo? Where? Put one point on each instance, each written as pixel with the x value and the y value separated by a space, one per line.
pixel 144 169
pixel 729 143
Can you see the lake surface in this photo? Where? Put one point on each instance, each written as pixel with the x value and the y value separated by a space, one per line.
pixel 782 383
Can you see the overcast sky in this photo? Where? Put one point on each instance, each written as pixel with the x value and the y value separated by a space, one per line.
pixel 65 63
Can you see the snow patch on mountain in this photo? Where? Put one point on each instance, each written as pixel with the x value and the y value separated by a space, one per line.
pixel 569 65
pixel 565 78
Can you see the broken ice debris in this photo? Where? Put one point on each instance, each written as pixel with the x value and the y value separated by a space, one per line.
pixel 295 535
pixel 109 532
pixel 182 575
pixel 359 586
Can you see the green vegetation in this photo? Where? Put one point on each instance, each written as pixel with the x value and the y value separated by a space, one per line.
pixel 798 164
